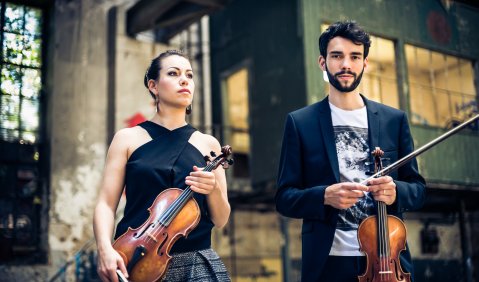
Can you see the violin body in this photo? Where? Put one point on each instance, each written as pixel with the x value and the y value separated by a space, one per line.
pixel 382 237
pixel 382 268
pixel 145 250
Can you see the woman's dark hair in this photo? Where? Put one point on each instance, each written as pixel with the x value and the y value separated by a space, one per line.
pixel 346 29
pixel 153 71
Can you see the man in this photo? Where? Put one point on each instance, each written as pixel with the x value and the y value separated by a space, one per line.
pixel 326 152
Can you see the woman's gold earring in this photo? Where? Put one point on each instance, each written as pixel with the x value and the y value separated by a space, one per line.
pixel 156 104
pixel 189 109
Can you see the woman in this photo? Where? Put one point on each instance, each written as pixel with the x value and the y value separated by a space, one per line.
pixel 161 153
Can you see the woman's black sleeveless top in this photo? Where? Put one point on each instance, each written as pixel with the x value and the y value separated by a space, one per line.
pixel 163 163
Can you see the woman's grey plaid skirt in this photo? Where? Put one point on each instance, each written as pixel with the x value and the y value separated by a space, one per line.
pixel 204 265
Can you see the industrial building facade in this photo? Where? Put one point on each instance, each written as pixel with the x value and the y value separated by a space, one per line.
pixel 71 75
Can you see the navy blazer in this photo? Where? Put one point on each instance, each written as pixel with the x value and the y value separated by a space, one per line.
pixel 309 164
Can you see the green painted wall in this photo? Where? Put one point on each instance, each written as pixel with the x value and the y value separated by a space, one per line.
pixel 454 161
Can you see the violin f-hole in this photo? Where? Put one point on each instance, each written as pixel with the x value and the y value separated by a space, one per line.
pixel 163 238
pixel 136 235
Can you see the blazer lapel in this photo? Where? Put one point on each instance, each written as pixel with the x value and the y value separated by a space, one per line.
pixel 373 129
pixel 373 123
pixel 326 124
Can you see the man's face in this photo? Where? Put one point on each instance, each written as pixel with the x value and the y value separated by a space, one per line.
pixel 344 64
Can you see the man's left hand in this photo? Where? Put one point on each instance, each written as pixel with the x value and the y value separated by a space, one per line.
pixel 383 189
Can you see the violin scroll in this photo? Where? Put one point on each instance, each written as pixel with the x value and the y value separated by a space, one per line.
pixel 222 159
pixel 377 153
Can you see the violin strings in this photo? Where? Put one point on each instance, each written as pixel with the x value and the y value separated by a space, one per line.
pixel 388 247
pixel 177 205
pixel 184 196
pixel 386 240
pixel 380 238
pixel 383 232
pixel 384 219
pixel 181 200
pixel 384 244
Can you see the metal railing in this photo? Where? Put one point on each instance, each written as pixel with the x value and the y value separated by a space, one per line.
pixel 84 261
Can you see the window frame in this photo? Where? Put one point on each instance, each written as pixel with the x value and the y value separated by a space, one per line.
pixel 239 183
pixel 22 155
pixel 449 53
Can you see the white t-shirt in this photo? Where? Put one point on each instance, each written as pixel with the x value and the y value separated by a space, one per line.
pixel 351 137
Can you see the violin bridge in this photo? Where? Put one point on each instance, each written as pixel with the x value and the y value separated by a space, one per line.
pixel 151 237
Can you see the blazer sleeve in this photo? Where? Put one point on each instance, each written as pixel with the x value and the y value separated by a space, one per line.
pixel 410 185
pixel 292 198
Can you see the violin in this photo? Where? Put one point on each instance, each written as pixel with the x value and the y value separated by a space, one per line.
pixel 382 237
pixel 173 214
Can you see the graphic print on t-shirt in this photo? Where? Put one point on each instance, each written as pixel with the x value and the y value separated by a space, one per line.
pixel 353 155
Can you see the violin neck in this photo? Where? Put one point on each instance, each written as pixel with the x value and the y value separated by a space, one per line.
pixel 171 212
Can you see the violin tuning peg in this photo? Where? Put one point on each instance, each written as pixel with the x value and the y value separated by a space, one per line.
pixel 227 163
pixel 207 159
pixel 231 162
pixel 213 154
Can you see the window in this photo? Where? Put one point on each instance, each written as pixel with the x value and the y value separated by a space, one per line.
pixel 20 90
pixel 236 112
pixel 379 79
pixel 441 87
pixel 20 79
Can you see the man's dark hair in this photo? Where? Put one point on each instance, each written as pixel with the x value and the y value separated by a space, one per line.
pixel 346 29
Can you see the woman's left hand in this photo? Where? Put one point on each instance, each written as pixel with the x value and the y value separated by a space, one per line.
pixel 203 182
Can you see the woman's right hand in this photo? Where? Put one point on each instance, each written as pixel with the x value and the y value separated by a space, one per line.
pixel 109 261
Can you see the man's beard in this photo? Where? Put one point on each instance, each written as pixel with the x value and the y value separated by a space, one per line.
pixel 345 89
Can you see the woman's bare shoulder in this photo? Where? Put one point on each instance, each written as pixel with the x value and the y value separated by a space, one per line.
pixel 129 131
pixel 210 141
pixel 205 143
pixel 127 137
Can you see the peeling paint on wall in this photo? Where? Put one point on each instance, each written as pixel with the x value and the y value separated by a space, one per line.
pixel 74 198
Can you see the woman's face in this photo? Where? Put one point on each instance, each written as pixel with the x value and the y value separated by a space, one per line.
pixel 175 87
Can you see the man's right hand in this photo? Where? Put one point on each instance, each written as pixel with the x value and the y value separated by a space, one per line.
pixel 344 195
